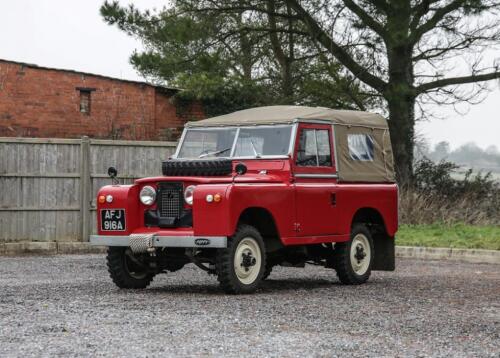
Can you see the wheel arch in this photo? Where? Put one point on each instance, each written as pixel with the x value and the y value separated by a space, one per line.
pixel 383 243
pixel 368 215
pixel 263 220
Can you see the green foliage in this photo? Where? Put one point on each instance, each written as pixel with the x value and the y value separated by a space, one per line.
pixel 226 96
pixel 344 54
pixel 436 179
pixel 233 59
pixel 437 196
pixel 454 236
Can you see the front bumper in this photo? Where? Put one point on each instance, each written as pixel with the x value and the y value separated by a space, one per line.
pixel 163 241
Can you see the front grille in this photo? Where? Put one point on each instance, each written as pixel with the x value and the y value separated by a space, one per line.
pixel 170 200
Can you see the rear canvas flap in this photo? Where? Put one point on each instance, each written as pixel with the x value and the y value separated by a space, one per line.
pixel 364 154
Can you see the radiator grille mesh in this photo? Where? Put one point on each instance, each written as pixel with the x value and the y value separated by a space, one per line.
pixel 170 200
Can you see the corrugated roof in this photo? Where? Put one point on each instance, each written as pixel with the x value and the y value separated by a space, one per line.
pixel 289 114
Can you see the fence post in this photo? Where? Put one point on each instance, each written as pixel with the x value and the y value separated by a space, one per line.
pixel 85 188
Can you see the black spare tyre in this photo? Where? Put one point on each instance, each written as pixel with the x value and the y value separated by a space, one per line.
pixel 197 167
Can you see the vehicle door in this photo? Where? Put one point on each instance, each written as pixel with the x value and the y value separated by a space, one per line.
pixel 315 181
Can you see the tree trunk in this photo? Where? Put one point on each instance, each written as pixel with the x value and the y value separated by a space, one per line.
pixel 401 127
pixel 245 47
pixel 284 61
pixel 399 93
pixel 400 97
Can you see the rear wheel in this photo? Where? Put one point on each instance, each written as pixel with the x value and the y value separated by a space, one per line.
pixel 240 267
pixel 267 272
pixel 126 269
pixel 353 259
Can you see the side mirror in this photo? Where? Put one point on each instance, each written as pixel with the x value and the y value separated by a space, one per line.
pixel 112 172
pixel 240 169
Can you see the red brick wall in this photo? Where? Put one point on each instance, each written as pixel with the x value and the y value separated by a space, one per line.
pixel 38 102
pixel 171 119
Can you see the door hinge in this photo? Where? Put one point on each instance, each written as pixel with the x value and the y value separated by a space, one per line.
pixel 296 227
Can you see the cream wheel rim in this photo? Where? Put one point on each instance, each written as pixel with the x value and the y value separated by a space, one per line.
pixel 360 254
pixel 247 260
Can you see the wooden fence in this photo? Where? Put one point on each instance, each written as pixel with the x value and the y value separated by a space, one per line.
pixel 48 186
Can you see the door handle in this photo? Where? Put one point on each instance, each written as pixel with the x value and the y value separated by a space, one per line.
pixel 333 199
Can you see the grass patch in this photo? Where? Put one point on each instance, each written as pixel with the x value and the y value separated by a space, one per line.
pixel 456 236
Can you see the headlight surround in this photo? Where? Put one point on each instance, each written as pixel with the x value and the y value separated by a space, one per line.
pixel 189 194
pixel 147 195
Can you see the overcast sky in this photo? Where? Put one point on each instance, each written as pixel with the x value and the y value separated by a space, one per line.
pixel 71 35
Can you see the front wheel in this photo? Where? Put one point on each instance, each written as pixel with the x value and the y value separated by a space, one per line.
pixel 240 267
pixel 128 270
pixel 353 259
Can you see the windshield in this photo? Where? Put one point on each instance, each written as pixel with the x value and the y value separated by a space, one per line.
pixel 253 142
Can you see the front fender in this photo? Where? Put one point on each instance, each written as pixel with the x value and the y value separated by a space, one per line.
pixel 124 197
pixel 212 218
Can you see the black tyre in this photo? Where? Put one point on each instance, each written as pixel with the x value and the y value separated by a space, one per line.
pixel 267 271
pixel 126 269
pixel 197 167
pixel 353 259
pixel 240 267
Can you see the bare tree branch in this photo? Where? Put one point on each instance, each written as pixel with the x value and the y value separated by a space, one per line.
pixel 366 18
pixel 457 81
pixel 439 51
pixel 439 14
pixel 340 54
pixel 381 5
pixel 420 10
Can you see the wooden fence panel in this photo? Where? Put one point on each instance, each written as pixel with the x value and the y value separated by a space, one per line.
pixel 132 162
pixel 41 181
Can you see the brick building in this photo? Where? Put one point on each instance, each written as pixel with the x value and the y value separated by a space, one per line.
pixel 46 102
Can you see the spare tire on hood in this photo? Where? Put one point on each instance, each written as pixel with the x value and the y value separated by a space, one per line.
pixel 197 167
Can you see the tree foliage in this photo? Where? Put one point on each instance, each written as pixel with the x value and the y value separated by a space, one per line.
pixel 407 51
pixel 233 57
pixel 341 53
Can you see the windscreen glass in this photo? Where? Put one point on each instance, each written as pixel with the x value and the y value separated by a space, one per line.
pixel 257 142
pixel 201 143
pixel 250 142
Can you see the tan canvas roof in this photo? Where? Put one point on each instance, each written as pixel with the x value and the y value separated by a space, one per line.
pixel 287 114
pixel 380 168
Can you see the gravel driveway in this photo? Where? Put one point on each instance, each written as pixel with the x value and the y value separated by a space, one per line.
pixel 68 306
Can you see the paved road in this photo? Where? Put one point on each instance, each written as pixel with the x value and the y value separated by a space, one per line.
pixel 67 306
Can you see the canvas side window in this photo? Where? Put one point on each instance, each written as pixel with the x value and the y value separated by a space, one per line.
pixel 314 148
pixel 360 146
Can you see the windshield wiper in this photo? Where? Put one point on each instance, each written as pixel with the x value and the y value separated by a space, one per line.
pixel 257 155
pixel 203 155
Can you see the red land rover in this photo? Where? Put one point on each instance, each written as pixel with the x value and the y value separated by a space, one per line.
pixel 279 185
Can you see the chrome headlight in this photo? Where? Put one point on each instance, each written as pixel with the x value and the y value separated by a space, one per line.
pixel 147 195
pixel 188 194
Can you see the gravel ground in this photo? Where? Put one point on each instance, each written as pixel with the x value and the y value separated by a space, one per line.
pixel 68 306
